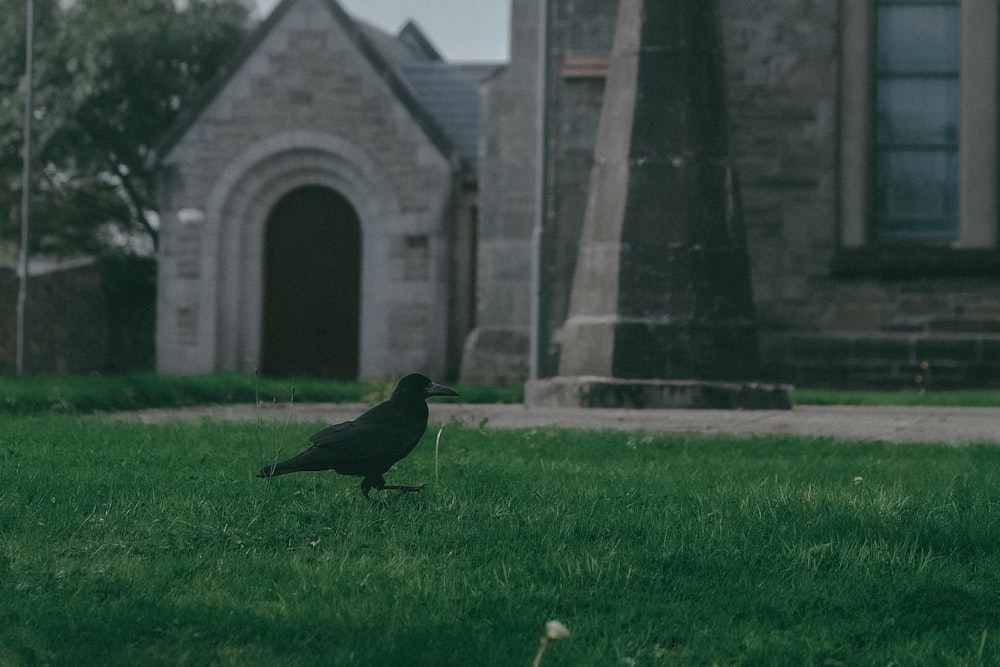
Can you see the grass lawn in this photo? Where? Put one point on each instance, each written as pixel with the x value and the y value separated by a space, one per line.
pixel 130 544
pixel 43 394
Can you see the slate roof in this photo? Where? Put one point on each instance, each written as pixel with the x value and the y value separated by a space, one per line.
pixel 443 98
pixel 450 93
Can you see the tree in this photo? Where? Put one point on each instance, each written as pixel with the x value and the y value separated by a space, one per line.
pixel 111 77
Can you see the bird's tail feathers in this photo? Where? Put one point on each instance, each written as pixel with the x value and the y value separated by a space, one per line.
pixel 310 459
pixel 275 469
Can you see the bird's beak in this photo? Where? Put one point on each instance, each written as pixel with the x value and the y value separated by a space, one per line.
pixel 435 389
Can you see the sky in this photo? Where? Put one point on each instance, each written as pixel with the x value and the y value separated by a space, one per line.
pixel 461 30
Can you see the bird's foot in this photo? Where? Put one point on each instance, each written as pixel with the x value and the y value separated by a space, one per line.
pixel 404 489
pixel 377 482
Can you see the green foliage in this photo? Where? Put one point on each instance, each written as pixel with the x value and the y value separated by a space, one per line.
pixel 126 544
pixel 35 394
pixel 110 78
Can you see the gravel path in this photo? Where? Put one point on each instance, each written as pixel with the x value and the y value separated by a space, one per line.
pixel 892 424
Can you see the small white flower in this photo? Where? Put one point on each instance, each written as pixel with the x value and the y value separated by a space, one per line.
pixel 858 480
pixel 555 630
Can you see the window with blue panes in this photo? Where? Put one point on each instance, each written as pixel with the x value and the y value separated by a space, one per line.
pixel 916 126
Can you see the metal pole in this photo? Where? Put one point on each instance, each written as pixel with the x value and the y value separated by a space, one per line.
pixel 22 260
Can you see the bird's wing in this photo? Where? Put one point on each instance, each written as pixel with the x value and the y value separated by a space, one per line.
pixel 373 435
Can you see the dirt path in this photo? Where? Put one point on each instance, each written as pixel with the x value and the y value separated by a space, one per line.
pixel 891 424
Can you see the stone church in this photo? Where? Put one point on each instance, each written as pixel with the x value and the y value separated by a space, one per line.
pixel 344 203
pixel 318 206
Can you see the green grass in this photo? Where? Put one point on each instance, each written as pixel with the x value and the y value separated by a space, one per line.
pixel 126 544
pixel 971 398
pixel 37 394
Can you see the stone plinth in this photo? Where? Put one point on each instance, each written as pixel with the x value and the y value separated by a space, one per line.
pixel 605 392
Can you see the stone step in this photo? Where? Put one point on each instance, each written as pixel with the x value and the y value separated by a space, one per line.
pixel 890 360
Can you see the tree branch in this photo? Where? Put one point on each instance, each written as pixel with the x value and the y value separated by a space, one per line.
pixel 138 203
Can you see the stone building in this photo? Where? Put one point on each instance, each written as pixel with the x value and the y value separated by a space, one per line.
pixel 318 206
pixel 864 134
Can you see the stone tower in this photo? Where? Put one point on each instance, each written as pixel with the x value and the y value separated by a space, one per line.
pixel 661 312
pixel 662 284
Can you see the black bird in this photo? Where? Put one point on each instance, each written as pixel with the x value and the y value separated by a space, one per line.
pixel 368 446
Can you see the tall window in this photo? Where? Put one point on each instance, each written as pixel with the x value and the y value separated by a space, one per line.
pixel 917 120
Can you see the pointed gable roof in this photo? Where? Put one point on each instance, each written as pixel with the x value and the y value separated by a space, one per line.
pixel 361 35
pixel 403 48
pixel 414 37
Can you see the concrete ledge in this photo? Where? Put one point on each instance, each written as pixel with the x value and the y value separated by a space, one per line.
pixel 606 392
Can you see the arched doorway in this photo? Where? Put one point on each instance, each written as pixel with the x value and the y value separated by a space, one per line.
pixel 312 286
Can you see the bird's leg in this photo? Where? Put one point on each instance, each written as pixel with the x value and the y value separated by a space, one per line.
pixel 371 482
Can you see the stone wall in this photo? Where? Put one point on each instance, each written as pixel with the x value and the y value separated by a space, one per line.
pixel 830 317
pixel 84 317
pixel 885 360
pixel 496 351
pixel 816 305
pixel 781 65
pixel 580 38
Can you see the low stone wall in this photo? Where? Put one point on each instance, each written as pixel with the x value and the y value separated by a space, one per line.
pixel 91 316
pixel 884 360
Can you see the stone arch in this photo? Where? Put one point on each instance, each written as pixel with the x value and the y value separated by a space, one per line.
pixel 236 216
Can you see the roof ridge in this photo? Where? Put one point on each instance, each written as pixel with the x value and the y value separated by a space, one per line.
pixel 383 68
pixel 412 32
